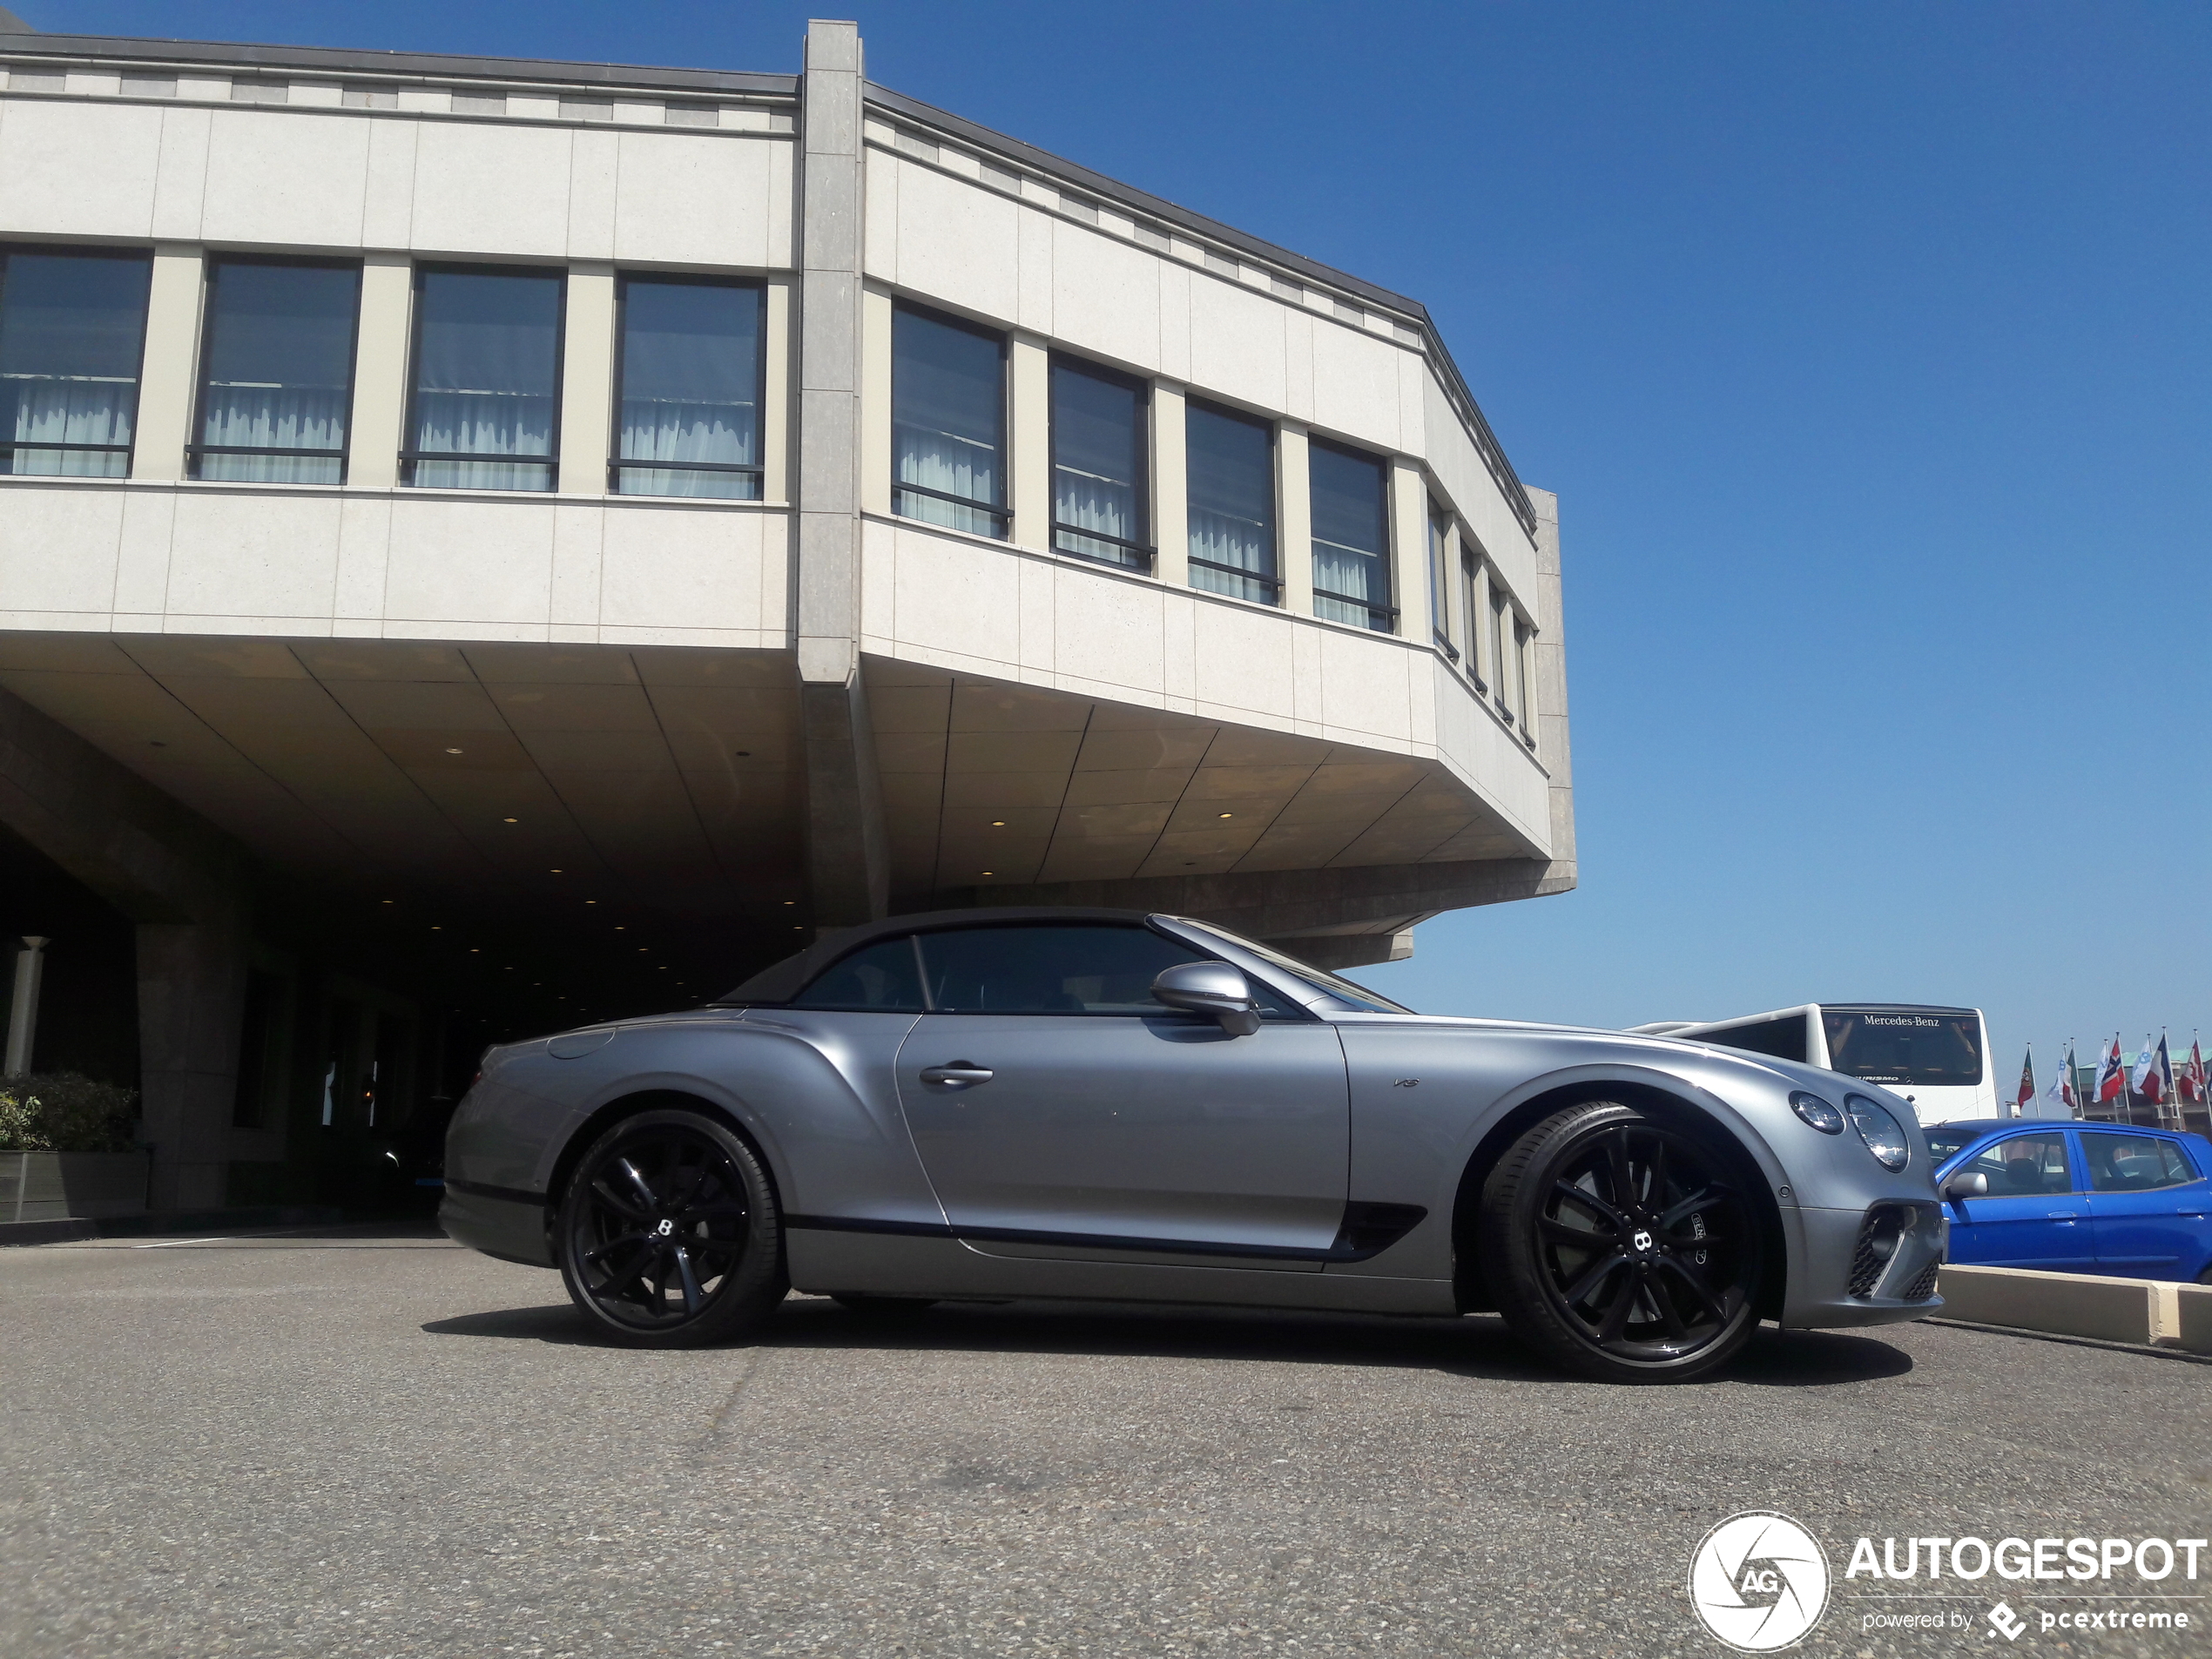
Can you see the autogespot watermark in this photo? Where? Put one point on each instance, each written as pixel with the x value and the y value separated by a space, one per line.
pixel 1761 1581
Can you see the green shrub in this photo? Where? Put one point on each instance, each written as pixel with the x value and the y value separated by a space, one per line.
pixel 60 1111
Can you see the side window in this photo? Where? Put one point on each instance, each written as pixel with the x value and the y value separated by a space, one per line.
pixel 690 388
pixel 1049 969
pixel 948 423
pixel 486 400
pixel 1784 1039
pixel 884 978
pixel 276 386
pixel 72 329
pixel 2025 1165
pixel 2134 1164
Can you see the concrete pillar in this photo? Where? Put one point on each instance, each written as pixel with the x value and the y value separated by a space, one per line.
pixel 775 393
pixel 192 1008
pixel 847 851
pixel 1550 701
pixel 1029 432
pixel 23 1009
pixel 1294 517
pixel 1171 470
pixel 381 369
pixel 168 376
pixel 587 379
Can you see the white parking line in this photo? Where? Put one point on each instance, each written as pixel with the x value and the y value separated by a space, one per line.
pixel 170 1244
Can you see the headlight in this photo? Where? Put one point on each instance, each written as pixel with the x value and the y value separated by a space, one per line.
pixel 1884 1135
pixel 1818 1112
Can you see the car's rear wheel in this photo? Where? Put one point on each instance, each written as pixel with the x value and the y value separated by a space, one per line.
pixel 668 1236
pixel 1622 1246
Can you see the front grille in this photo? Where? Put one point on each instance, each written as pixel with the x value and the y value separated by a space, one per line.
pixel 1925 1286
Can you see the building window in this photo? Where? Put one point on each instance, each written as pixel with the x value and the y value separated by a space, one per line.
pixel 487 379
pixel 73 331
pixel 1350 539
pixel 1524 638
pixel 1471 618
pixel 1230 466
pixel 690 374
pixel 1098 442
pixel 276 377
pixel 1501 658
pixel 1439 581
pixel 948 423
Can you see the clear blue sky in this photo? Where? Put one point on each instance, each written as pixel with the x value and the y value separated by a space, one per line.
pixel 1867 348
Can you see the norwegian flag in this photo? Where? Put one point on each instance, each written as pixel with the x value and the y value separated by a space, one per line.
pixel 2060 1094
pixel 2111 1077
pixel 2024 1096
pixel 2190 1084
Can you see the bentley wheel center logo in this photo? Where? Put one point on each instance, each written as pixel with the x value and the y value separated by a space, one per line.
pixel 1759 1581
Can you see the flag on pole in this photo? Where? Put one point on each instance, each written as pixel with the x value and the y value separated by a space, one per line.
pixel 2061 1093
pixel 2164 1074
pixel 2190 1084
pixel 2024 1096
pixel 2111 1077
pixel 2146 1080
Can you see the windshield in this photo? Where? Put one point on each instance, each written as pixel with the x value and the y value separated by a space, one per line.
pixel 1933 1048
pixel 1343 990
pixel 1943 1142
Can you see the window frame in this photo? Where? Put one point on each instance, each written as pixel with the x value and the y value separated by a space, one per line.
pixel 1274 580
pixel 344 453
pixel 129 451
pixel 1147 552
pixel 1471 567
pixel 1439 578
pixel 1385 558
pixel 2076 1160
pixel 2087 1182
pixel 1001 516
pixel 616 464
pixel 410 457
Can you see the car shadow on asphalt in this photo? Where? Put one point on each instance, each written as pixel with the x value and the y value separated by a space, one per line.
pixel 1476 1346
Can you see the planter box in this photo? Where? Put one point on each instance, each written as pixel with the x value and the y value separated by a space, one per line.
pixel 57 1186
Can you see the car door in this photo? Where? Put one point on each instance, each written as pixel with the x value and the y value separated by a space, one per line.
pixel 1060 1111
pixel 2033 1215
pixel 2147 1201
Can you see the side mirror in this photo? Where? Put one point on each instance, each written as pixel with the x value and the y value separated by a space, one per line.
pixel 1213 989
pixel 1963 1185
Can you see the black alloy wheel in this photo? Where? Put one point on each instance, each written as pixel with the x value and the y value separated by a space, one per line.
pixel 669 1235
pixel 1622 1246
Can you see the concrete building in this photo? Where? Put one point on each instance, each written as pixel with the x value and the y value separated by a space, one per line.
pixel 485 543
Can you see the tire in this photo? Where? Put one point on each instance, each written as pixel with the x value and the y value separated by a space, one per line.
pixel 669 1234
pixel 1623 1246
pixel 881 1307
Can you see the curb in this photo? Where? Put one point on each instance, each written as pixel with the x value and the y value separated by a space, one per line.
pixel 77 1230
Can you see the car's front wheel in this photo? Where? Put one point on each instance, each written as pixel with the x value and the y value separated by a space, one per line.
pixel 1622 1246
pixel 668 1236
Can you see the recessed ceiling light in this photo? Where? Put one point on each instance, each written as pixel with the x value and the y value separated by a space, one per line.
pixel 591 901
pixel 998 823
pixel 386 901
pixel 990 872
pixel 436 928
pixel 474 950
pixel 618 926
pixel 641 949
pixel 790 902
pixel 510 820
pixel 556 872
pixel 1229 814
pixel 452 752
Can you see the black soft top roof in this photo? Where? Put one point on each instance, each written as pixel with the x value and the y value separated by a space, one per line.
pixel 786 979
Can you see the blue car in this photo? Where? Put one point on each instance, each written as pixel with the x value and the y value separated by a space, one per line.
pixel 2076 1198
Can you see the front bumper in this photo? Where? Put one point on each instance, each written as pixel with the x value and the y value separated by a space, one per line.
pixel 1871 1266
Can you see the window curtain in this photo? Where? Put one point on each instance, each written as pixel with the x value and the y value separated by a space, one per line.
pixel 274 417
pixel 484 380
pixel 50 409
pixel 690 370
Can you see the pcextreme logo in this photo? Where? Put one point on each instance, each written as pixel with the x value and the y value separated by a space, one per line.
pixel 1759 1581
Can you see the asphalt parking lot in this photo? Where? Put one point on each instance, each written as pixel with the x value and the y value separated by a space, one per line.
pixel 370 1441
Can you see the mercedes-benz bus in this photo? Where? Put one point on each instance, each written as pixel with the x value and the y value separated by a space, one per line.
pixel 1936 1058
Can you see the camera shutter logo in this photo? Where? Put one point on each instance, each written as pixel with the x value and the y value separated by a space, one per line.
pixel 1759 1581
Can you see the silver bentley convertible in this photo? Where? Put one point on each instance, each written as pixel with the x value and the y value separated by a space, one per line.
pixel 1101 1104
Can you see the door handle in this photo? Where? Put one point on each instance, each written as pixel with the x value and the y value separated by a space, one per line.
pixel 2060 1214
pixel 962 1074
